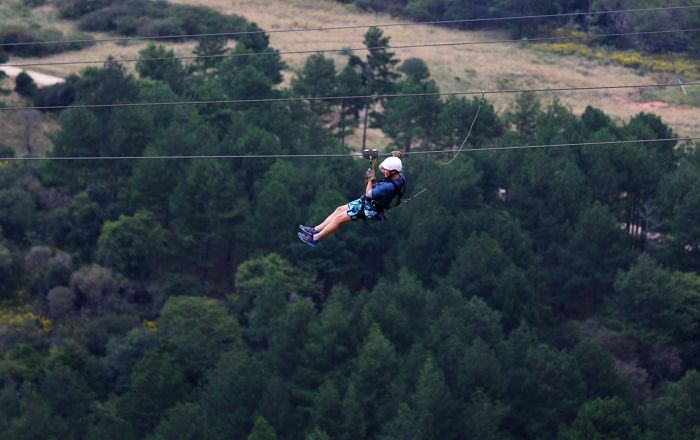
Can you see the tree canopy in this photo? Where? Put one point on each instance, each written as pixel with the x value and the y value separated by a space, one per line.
pixel 546 293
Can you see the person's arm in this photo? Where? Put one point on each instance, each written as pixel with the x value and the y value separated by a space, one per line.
pixel 368 190
pixel 369 177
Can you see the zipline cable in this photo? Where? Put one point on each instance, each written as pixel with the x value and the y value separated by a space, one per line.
pixel 459 150
pixel 335 98
pixel 356 49
pixel 578 144
pixel 336 155
pixel 523 147
pixel 349 27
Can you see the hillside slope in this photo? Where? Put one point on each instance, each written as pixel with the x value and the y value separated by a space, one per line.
pixel 455 68
pixel 460 68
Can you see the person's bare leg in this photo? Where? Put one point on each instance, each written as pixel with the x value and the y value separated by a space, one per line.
pixel 329 219
pixel 338 219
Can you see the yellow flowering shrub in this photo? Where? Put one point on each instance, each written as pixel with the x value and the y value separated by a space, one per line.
pixel 25 320
pixel 629 58
pixel 568 48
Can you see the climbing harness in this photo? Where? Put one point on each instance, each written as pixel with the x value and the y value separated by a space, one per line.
pixel 400 190
pixel 373 156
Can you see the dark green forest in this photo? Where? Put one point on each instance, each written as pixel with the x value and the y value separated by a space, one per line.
pixel 548 293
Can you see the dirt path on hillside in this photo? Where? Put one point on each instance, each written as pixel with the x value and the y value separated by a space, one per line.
pixel 41 79
pixel 461 68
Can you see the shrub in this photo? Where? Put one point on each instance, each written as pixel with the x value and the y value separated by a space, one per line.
pixel 61 94
pixel 148 17
pixel 6 151
pixel 74 9
pixel 61 301
pixel 25 85
pixel 15 34
pixel 34 3
pixel 104 19
pixel 629 58
pixel 163 27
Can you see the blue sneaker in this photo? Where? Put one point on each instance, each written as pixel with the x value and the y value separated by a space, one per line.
pixel 308 230
pixel 308 239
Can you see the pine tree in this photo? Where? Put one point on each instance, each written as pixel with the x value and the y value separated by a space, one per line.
pixel 354 423
pixel 157 384
pixel 675 415
pixel 317 79
pixel 379 72
pixel 200 329
pixel 317 434
pixel 132 244
pixel 327 411
pixel 405 426
pixel 262 430
pixel 604 419
pixel 185 421
pixel 349 83
pixel 435 409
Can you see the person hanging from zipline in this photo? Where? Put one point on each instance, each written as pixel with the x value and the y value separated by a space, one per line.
pixel 371 205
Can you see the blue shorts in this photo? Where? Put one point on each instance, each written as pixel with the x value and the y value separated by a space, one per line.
pixel 360 208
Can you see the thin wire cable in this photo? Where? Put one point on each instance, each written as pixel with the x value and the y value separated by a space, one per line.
pixel 459 150
pixel 471 127
pixel 356 49
pixel 187 157
pixel 517 147
pixel 579 144
pixel 336 155
pixel 348 27
pixel 521 147
pixel 334 98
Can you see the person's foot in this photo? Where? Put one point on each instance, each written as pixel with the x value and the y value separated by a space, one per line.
pixel 310 230
pixel 308 239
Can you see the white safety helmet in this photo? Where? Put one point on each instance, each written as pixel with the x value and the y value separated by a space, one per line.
pixel 392 164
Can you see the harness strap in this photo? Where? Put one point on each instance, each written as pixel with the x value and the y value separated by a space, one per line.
pixel 399 191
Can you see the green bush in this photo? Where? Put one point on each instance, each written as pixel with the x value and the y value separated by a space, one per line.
pixel 155 18
pixel 25 85
pixel 6 152
pixel 102 19
pixel 16 34
pixel 34 3
pixel 61 94
pixel 74 9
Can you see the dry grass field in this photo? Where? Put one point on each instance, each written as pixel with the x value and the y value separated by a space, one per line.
pixel 460 68
pixel 455 68
pixel 17 128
